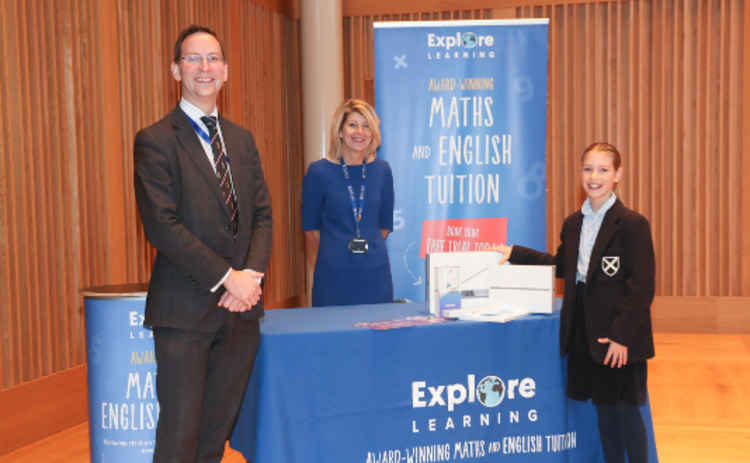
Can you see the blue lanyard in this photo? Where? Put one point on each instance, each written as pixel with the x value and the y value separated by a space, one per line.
pixel 356 209
pixel 199 130
pixel 202 133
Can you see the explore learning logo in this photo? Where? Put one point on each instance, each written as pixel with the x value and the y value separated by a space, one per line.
pixel 459 40
pixel 442 403
pixel 489 391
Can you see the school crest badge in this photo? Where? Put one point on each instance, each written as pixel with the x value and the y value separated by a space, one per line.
pixel 610 265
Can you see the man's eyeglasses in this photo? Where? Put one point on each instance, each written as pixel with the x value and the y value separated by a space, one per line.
pixel 196 59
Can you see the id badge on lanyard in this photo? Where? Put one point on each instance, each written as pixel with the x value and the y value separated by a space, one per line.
pixel 357 245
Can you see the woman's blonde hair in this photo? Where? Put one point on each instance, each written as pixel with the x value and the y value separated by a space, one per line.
pixel 363 108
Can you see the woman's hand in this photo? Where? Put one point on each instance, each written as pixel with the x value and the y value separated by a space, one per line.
pixel 617 354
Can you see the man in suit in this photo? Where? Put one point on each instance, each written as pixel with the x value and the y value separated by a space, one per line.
pixel 205 207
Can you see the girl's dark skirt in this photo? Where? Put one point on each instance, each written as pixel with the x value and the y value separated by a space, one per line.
pixel 590 380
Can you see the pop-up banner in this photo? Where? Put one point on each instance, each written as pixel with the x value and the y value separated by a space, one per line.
pixel 462 107
pixel 121 370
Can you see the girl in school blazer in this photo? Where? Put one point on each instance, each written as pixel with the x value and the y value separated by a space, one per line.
pixel 606 258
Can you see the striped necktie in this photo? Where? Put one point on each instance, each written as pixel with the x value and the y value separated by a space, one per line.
pixel 221 165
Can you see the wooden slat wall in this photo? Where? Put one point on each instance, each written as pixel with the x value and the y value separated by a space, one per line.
pixel 79 80
pixel 662 80
pixel 49 208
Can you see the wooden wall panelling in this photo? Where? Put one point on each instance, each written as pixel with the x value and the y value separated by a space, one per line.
pixel 676 151
pixel 14 344
pixel 84 108
pixel 292 245
pixel 701 314
pixel 136 67
pixel 677 157
pixel 8 264
pixel 728 114
pixel 732 282
pixel 60 344
pixel 6 350
pixel 116 161
pixel 68 261
pixel 658 64
pixel 444 9
pixel 688 195
pixel 727 184
pixel 38 266
pixel 646 197
pixel 269 134
pixel 287 8
pixel 705 127
pixel 36 195
pixel 744 147
pixel 662 227
pixel 356 53
pixel 28 199
pixel 275 104
pixel 63 348
pixel 721 180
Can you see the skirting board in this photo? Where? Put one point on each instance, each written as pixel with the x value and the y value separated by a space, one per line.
pixel 39 408
pixel 701 314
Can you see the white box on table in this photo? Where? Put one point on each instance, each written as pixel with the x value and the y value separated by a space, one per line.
pixel 527 287
pixel 458 280
pixel 474 280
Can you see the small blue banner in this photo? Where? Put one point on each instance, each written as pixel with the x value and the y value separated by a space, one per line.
pixel 123 407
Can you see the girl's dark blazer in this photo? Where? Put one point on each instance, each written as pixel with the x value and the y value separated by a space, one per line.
pixel 619 285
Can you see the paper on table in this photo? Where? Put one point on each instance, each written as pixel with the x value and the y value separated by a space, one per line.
pixel 498 315
pixel 416 320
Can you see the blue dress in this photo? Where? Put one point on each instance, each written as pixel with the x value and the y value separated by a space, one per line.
pixel 341 277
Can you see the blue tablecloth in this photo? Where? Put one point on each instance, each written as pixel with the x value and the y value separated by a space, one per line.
pixel 324 390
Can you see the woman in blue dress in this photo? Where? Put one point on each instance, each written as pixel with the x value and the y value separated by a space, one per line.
pixel 347 212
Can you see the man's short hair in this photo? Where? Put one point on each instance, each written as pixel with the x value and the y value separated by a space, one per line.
pixel 190 30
